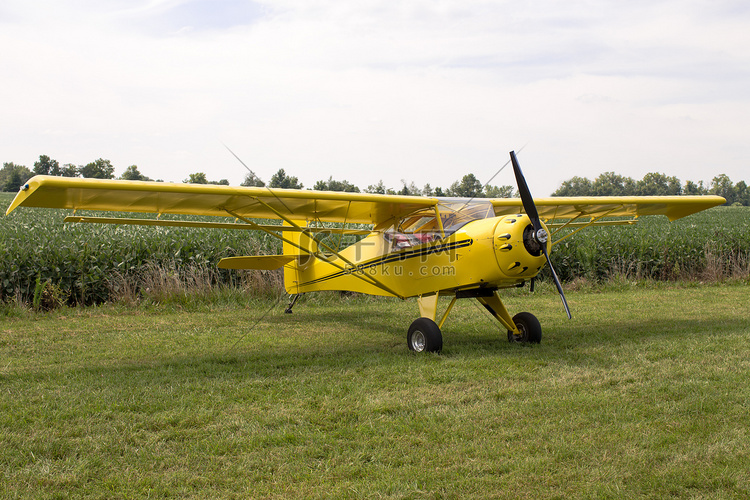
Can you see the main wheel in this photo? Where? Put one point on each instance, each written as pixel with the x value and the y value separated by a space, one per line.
pixel 424 336
pixel 529 328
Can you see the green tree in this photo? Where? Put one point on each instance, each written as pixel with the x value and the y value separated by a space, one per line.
pixel 252 180
pixel 13 182
pixel 200 178
pixel 691 188
pixel 99 169
pixel 333 185
pixel 69 170
pixel 655 184
pixel 281 180
pixel 378 188
pixel 46 166
pixel 196 178
pixel 133 174
pixel 13 176
pixel 722 185
pixel 499 191
pixel 577 186
pixel 612 184
pixel 410 189
pixel 742 193
pixel 468 187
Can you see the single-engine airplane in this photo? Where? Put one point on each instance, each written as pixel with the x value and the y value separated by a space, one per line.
pixel 423 247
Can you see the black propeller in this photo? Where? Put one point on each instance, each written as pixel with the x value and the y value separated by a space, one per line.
pixel 540 235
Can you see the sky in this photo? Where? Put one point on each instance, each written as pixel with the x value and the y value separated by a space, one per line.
pixel 367 90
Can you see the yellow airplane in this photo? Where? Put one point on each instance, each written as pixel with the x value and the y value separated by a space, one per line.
pixel 412 246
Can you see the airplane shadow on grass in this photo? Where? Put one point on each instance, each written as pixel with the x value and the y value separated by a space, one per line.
pixel 384 336
pixel 380 339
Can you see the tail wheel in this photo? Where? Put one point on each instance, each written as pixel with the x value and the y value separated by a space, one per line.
pixel 530 331
pixel 424 336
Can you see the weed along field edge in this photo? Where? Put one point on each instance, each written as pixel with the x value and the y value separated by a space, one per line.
pixel 643 394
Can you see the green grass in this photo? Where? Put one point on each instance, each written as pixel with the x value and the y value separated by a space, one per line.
pixel 643 394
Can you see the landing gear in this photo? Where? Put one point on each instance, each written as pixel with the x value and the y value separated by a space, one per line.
pixel 530 331
pixel 294 298
pixel 424 336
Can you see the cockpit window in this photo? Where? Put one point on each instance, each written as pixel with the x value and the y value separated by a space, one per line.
pixel 456 214
pixel 423 226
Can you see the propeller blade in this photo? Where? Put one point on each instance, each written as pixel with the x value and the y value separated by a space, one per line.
pixel 539 233
pixel 523 189
pixel 557 282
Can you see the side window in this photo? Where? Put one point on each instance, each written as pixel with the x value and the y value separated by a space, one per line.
pixel 399 241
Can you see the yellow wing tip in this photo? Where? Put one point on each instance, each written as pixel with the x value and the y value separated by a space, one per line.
pixel 20 197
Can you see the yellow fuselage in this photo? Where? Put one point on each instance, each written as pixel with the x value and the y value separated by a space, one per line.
pixel 483 253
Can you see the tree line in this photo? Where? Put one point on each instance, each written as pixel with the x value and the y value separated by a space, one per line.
pixel 13 176
pixel 468 187
pixel 654 184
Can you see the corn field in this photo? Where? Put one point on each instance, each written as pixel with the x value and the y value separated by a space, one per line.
pixel 47 263
pixel 42 258
pixel 712 245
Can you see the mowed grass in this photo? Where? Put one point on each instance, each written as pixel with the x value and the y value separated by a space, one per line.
pixel 645 393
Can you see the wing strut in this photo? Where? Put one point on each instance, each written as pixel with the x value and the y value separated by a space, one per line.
pixel 213 225
pixel 587 224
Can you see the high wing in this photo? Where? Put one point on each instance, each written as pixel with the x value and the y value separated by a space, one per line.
pixel 594 207
pixel 224 201
pixel 312 206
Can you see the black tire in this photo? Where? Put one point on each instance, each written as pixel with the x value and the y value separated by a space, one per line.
pixel 528 326
pixel 424 336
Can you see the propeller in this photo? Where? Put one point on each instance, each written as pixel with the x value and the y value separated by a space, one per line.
pixel 540 234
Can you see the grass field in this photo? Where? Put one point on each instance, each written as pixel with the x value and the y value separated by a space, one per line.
pixel 644 394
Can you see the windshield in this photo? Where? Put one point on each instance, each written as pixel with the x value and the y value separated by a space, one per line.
pixel 423 226
pixel 457 213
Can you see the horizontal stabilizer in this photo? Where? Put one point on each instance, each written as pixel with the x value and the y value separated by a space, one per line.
pixel 260 262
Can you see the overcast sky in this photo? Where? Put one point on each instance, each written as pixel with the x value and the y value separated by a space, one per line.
pixel 364 90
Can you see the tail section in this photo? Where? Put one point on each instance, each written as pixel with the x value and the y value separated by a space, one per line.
pixel 299 250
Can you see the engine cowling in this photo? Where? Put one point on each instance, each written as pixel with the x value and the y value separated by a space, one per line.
pixel 517 249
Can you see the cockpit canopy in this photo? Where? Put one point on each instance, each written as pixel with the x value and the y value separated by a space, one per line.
pixel 425 226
